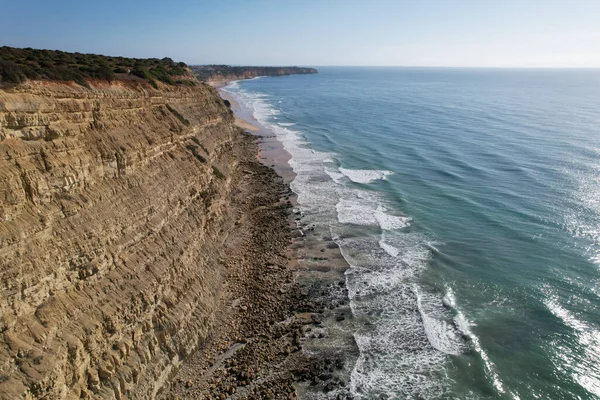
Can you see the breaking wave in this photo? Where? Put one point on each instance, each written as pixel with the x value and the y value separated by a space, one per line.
pixel 406 334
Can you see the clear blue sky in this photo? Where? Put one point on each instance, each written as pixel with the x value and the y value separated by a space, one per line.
pixel 501 33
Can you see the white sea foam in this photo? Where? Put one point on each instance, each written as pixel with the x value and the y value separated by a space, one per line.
pixel 401 353
pixel 367 282
pixel 398 358
pixel 364 175
pixel 286 123
pixel 449 299
pixel 388 248
pixel 588 337
pixel 406 346
pixel 441 334
pixel 335 176
pixel 232 85
pixel 464 326
pixel 355 211
pixel 378 373
pixel 361 208
pixel 389 222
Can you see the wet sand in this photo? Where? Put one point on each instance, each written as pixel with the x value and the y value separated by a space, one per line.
pixel 218 84
pixel 242 123
pixel 271 152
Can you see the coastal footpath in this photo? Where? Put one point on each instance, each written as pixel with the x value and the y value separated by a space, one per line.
pixel 225 73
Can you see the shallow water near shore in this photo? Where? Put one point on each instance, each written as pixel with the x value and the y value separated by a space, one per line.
pixel 466 204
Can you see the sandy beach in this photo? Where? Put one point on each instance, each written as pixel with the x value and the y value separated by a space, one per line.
pixel 242 123
pixel 270 150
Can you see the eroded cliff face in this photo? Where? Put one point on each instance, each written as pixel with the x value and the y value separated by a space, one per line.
pixel 115 211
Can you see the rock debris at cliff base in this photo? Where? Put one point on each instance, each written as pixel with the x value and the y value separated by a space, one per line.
pixel 255 351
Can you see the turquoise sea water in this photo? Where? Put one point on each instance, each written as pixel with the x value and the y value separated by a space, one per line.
pixel 467 203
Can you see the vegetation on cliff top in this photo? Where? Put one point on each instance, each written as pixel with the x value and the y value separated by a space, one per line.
pixel 18 65
pixel 218 72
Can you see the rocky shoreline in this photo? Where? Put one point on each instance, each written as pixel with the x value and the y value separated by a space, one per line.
pixel 284 290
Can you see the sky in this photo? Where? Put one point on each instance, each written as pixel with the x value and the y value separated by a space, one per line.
pixel 454 33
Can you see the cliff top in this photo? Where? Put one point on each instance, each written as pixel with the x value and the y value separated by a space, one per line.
pixel 18 65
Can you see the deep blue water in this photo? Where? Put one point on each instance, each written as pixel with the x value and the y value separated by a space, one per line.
pixel 467 202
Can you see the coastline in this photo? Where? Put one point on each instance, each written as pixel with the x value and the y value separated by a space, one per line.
pixel 276 341
pixel 271 152
pixel 318 266
pixel 255 324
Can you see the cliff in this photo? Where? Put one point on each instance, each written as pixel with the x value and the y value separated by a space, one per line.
pixel 213 73
pixel 117 207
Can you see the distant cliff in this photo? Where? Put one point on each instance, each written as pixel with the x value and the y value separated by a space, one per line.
pixel 213 73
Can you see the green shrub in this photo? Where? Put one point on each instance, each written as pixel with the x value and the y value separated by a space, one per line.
pixel 218 173
pixel 143 73
pixel 195 140
pixel 17 65
pixel 10 72
pixel 175 71
pixel 185 82
pixel 179 116
pixel 162 75
pixel 194 150
pixel 103 73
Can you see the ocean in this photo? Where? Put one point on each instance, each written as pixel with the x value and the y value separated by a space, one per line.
pixel 467 204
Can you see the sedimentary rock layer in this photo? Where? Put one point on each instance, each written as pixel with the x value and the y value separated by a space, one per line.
pixel 115 214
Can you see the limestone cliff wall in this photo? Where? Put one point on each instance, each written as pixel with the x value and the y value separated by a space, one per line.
pixel 114 207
